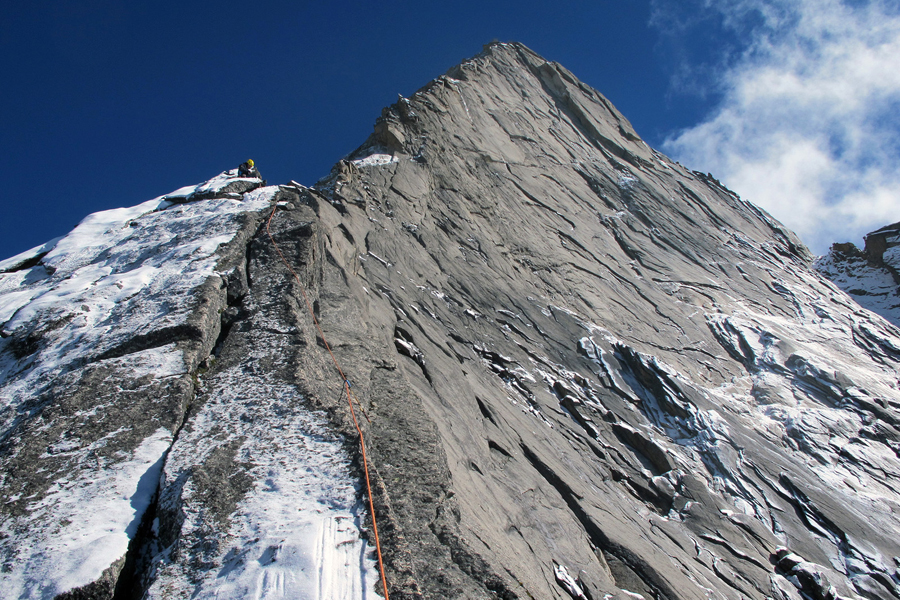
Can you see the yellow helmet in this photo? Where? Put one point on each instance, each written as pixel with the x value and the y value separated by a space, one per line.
pixel 250 162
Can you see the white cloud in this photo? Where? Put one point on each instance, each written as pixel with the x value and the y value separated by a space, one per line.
pixel 808 123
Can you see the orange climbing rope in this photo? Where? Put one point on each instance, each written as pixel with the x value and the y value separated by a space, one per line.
pixel 346 384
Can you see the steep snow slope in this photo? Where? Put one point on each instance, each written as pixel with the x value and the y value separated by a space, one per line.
pixel 102 331
pixel 585 372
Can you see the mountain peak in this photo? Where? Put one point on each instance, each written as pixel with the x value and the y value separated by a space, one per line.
pixel 581 371
pixel 505 75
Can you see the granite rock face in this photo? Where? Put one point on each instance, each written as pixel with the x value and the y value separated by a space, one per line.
pixel 583 371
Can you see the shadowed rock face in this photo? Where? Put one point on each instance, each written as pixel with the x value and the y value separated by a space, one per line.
pixel 587 372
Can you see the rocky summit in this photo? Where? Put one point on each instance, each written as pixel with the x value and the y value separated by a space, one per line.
pixel 581 370
pixel 872 275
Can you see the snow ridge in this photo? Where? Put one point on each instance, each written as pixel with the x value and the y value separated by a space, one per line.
pixel 125 306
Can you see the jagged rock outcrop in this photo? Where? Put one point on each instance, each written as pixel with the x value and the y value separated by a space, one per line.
pixel 872 275
pixel 586 372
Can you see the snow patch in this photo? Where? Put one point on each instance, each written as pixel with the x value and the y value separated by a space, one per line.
pixel 626 181
pixel 568 583
pixel 84 524
pixel 873 287
pixel 375 160
pixel 208 188
pixel 296 533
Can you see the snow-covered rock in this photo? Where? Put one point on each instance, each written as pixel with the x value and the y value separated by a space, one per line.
pixel 582 371
pixel 872 275
pixel 103 331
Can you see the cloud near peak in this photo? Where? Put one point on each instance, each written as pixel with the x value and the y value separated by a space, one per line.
pixel 808 124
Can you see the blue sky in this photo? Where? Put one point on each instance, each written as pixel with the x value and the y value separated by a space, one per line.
pixel 108 103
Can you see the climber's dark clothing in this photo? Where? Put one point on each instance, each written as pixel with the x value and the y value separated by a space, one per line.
pixel 248 170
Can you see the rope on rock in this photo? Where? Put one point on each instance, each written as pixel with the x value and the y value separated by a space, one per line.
pixel 345 386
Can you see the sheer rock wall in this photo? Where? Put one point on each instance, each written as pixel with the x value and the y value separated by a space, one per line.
pixel 631 373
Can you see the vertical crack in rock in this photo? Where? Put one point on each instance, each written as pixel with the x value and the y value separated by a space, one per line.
pixel 237 500
pixel 138 315
pixel 131 582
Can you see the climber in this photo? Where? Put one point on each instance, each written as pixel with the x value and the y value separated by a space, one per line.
pixel 248 169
